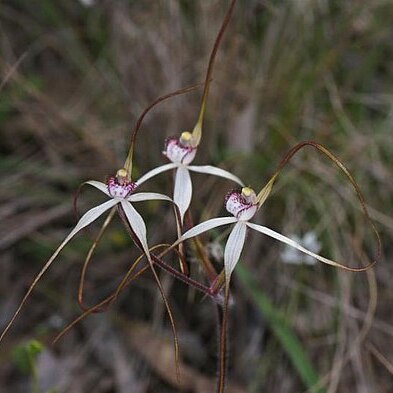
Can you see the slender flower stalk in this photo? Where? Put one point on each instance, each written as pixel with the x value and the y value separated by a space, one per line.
pixel 181 150
pixel 128 165
pixel 131 275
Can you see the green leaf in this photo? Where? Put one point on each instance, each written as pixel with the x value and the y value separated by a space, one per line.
pixel 25 355
pixel 282 331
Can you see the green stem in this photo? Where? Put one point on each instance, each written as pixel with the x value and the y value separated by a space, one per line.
pixel 34 375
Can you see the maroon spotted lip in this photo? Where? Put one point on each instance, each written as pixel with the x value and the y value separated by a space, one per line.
pixel 237 204
pixel 117 190
pixel 178 152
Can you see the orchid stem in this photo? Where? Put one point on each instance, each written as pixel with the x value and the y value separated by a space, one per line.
pixel 197 132
pixel 222 357
pixel 130 155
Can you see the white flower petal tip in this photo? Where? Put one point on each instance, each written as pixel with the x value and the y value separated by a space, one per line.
pixel 179 150
pixel 120 188
pixel 242 203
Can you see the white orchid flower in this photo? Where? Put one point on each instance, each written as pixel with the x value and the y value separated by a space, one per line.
pixel 244 204
pixel 181 152
pixel 120 191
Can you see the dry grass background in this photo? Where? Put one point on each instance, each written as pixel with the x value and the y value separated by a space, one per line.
pixel 76 77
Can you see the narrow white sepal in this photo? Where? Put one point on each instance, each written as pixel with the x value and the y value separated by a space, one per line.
pixel 292 243
pixel 212 170
pixel 233 248
pixel 206 226
pixel 155 172
pixel 137 225
pixel 183 190
pixel 148 196
pixel 90 216
pixel 101 186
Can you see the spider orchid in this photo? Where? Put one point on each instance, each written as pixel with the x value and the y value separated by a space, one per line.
pixel 181 150
pixel 243 205
pixel 121 192
pixel 120 189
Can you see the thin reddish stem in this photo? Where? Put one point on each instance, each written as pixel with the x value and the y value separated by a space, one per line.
pixel 187 280
pixel 212 58
pixel 128 162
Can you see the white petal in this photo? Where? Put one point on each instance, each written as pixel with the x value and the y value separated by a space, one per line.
pixel 148 196
pixel 234 248
pixel 212 170
pixel 206 226
pixel 101 186
pixel 183 190
pixel 155 172
pixel 290 242
pixel 90 216
pixel 137 225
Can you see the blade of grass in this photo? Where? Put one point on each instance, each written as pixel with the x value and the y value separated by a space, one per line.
pixel 282 331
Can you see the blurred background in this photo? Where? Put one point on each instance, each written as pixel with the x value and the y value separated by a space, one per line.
pixel 76 74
